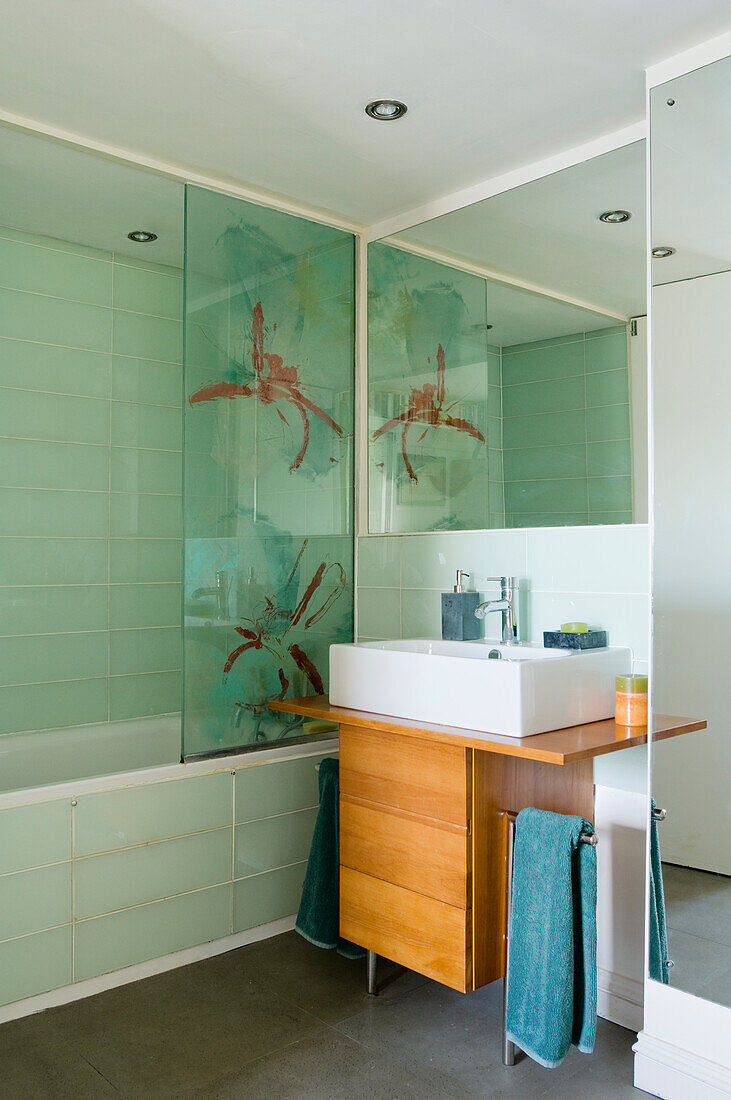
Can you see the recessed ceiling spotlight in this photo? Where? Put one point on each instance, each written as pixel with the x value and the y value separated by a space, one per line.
pixel 386 110
pixel 141 236
pixel 615 217
pixel 662 252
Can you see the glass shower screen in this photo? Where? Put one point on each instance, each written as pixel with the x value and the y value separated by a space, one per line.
pixel 268 467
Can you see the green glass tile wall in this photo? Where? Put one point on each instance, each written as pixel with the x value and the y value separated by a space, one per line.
pixel 566 431
pixel 116 877
pixel 269 383
pixel 90 484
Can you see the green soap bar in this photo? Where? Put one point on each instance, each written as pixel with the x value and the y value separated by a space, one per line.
pixel 315 725
pixel 574 628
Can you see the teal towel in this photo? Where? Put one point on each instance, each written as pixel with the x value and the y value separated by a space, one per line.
pixel 658 932
pixel 318 916
pixel 552 972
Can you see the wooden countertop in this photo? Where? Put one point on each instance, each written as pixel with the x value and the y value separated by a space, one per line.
pixel 564 746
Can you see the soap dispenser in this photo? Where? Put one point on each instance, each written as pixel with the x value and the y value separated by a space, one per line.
pixel 458 613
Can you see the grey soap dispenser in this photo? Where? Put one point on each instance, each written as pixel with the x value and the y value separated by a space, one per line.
pixel 458 613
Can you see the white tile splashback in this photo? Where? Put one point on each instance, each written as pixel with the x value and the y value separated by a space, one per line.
pixel 596 574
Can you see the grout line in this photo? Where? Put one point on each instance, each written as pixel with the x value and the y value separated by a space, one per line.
pixel 578 443
pixel 97 351
pixel 92 538
pixel 98 492
pixel 88 304
pixel 94 397
pixel 531 591
pixel 105 259
pixel 53 785
pixel 153 901
pixel 91 584
pixel 98 630
pixel 89 443
pixel 131 266
pixel 109 257
pixel 35 867
pixel 87 679
pixel 269 870
pixel 103 852
pixel 37 932
pixel 541 480
pixel 489 533
pixel 565 377
pixel 586 336
pixel 271 817
pixel 558 412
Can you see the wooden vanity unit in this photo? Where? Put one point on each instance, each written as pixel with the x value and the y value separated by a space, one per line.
pixel 423 828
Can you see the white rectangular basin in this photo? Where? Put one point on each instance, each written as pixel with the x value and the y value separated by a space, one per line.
pixel 527 690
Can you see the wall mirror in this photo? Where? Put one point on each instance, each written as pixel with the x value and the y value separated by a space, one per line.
pixel 506 384
pixel 690 135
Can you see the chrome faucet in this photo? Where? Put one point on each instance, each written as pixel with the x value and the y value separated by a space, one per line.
pixel 505 604
pixel 221 591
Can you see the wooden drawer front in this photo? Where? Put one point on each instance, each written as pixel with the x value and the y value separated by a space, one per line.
pixel 429 859
pixel 419 776
pixel 418 932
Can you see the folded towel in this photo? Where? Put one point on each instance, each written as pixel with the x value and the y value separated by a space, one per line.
pixel 658 934
pixel 318 916
pixel 552 973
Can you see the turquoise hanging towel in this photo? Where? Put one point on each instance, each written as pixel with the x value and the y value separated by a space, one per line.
pixel 318 916
pixel 552 972
pixel 658 933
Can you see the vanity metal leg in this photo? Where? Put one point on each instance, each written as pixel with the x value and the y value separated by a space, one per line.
pixel 508 1047
pixel 371 964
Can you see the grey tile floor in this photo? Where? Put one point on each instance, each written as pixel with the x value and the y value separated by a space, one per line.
pixel 282 1020
pixel 698 908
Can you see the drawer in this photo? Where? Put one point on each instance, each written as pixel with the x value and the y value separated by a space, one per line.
pixel 427 858
pixel 421 777
pixel 415 931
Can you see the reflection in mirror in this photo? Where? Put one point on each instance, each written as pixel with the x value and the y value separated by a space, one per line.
pixel 506 385
pixel 691 305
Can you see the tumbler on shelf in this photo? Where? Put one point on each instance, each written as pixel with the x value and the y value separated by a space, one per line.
pixel 630 707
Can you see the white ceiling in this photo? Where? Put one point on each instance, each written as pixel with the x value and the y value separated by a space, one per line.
pixel 273 94
pixel 548 232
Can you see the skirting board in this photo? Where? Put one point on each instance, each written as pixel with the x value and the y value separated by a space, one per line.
pixel 78 990
pixel 674 1073
pixel 620 999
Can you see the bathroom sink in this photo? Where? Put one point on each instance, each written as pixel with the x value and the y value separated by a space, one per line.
pixel 482 686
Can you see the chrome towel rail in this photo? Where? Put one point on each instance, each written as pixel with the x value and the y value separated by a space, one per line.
pixel 658 814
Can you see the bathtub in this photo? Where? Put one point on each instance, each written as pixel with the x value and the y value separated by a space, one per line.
pixel 50 757
pixel 121 862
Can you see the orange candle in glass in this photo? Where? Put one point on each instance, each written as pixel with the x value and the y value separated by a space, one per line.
pixel 630 701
